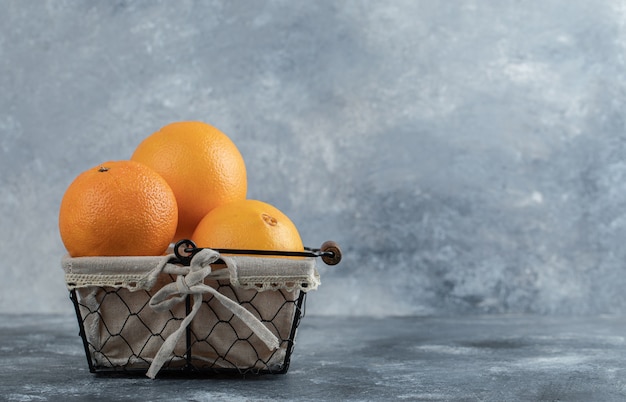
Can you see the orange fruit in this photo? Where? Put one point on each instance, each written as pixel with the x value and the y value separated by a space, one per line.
pixel 248 225
pixel 202 166
pixel 118 208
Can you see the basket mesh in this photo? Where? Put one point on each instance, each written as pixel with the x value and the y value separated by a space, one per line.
pixel 122 333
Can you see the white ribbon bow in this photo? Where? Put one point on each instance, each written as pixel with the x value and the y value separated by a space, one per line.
pixel 193 284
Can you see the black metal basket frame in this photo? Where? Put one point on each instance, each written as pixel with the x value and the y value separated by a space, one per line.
pixel 189 368
pixel 184 251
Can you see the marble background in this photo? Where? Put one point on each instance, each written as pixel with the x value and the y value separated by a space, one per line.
pixel 468 156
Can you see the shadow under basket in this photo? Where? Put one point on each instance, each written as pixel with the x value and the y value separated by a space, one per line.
pixel 206 312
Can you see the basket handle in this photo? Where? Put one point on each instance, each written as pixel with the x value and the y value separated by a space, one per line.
pixel 330 252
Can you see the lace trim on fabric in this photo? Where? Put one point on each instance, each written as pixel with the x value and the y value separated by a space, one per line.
pixel 138 273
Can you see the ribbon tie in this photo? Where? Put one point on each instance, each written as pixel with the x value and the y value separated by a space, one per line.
pixel 193 284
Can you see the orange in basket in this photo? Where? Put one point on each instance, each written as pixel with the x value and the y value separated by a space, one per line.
pixel 201 164
pixel 249 225
pixel 118 209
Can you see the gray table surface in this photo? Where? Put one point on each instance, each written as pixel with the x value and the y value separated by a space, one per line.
pixel 484 358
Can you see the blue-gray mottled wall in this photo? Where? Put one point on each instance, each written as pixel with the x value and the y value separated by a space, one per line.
pixel 469 156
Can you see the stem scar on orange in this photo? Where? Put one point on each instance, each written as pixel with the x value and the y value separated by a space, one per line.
pixel 201 164
pixel 248 225
pixel 118 208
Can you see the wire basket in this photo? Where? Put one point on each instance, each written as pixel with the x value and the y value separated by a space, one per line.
pixel 194 311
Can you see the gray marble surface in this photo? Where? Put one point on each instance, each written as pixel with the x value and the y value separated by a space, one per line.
pixel 471 358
